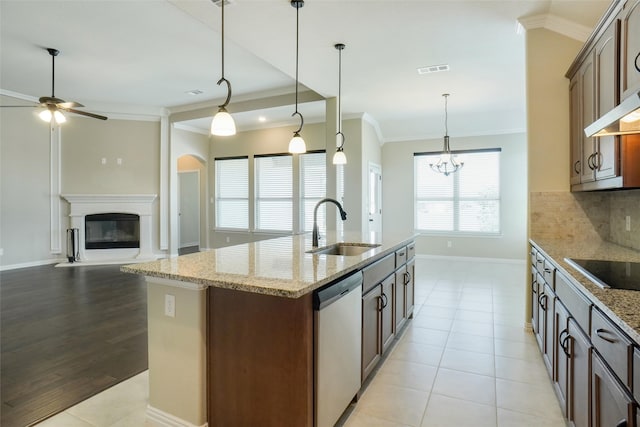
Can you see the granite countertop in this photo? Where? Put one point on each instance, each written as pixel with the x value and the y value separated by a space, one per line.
pixel 279 267
pixel 622 306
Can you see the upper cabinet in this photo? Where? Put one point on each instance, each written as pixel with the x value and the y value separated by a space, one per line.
pixel 630 48
pixel 606 70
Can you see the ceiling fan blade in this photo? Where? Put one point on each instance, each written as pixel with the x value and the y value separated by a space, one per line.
pixel 69 104
pixel 17 106
pixel 84 113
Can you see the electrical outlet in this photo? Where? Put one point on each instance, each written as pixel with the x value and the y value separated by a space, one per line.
pixel 170 305
pixel 627 224
pixel 448 243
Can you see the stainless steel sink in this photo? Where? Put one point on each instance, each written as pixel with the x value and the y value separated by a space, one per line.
pixel 344 249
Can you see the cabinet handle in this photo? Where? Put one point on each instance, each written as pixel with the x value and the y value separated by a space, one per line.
pixel 600 332
pixel 637 62
pixel 563 341
pixel 576 167
pixel 590 161
pixel 547 270
pixel 543 301
pixel 565 345
pixel 384 301
pixel 407 278
pixel 597 160
pixel 400 253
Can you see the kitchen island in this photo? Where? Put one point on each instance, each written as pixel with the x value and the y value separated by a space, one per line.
pixel 231 330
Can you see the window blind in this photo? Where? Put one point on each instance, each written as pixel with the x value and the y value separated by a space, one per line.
pixel 467 201
pixel 313 184
pixel 232 193
pixel 274 193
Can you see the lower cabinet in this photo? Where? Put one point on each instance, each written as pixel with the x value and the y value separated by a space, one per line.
pixel 377 324
pixel 410 287
pixel 611 404
pixel 561 354
pixel 579 375
pixel 399 298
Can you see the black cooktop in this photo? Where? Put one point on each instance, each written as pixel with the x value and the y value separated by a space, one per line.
pixel 609 274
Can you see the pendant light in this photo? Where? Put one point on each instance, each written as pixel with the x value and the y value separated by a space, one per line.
pixel 297 144
pixel 222 123
pixel 446 164
pixel 339 158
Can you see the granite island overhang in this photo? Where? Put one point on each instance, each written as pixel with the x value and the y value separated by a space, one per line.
pixel 237 346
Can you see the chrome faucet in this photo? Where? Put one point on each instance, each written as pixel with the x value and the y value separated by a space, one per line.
pixel 315 236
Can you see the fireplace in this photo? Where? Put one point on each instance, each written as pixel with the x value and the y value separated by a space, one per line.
pixel 113 228
pixel 111 231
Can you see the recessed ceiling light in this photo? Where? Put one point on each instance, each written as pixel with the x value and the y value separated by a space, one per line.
pixel 194 92
pixel 433 69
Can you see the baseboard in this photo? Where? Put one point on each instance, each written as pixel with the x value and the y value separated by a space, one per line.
pixel 158 418
pixel 473 259
pixel 31 264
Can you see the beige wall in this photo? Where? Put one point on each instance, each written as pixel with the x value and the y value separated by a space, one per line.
pixel 398 193
pixel 549 55
pixel 353 184
pixel 371 153
pixel 24 186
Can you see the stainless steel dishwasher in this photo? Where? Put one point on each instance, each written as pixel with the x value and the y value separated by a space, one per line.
pixel 337 343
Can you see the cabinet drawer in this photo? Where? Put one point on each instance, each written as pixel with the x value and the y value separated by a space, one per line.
pixel 377 272
pixel 411 250
pixel 612 344
pixel 539 262
pixel 532 254
pixel 636 377
pixel 401 257
pixel 549 274
pixel 577 304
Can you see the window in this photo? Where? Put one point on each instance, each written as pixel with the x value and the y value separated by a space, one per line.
pixel 313 184
pixel 232 193
pixel 467 201
pixel 274 193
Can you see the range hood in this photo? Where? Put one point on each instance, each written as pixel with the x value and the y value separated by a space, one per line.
pixel 622 120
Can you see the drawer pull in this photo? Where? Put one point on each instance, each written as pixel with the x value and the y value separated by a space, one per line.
pixel 539 261
pixel 637 62
pixel 384 301
pixel 400 253
pixel 547 270
pixel 407 278
pixel 602 334
pixel 542 300
pixel 565 345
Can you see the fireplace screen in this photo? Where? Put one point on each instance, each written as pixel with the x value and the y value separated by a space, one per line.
pixel 112 231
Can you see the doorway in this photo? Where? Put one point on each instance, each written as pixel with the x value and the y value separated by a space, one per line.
pixel 189 208
pixel 375 198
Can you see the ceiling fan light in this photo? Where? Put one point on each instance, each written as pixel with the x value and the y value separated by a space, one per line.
pixel 45 115
pixel 297 144
pixel 339 158
pixel 59 117
pixel 223 124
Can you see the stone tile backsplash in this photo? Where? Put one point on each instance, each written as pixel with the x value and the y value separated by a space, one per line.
pixel 587 215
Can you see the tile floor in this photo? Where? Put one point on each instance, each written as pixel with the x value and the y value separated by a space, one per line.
pixel 464 360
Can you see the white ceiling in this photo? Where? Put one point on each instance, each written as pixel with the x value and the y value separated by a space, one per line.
pixel 144 55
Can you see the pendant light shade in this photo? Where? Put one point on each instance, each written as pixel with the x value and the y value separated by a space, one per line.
pixel 339 158
pixel 297 144
pixel 446 164
pixel 222 123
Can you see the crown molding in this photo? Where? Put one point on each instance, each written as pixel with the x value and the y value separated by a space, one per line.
pixel 556 24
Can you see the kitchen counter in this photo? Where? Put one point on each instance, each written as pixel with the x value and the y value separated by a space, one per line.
pixel 231 330
pixel 279 267
pixel 622 306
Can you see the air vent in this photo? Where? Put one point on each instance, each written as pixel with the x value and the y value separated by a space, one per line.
pixel 433 69
pixel 194 92
pixel 219 2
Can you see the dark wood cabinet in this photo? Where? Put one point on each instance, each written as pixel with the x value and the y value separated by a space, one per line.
pixel 561 354
pixel 549 299
pixel 579 376
pixel 612 344
pixel 611 404
pixel 410 287
pixel 630 48
pixel 371 327
pixel 576 132
pixel 636 376
pixel 399 297
pixel 587 109
pixel 377 324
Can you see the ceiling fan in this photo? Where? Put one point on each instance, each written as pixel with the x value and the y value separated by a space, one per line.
pixel 54 106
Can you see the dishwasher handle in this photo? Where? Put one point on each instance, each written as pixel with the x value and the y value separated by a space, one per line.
pixel 332 292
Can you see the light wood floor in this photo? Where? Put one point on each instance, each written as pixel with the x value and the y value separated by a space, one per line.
pixel 65 335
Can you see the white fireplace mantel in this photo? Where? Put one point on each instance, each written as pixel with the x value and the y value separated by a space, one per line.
pixel 89 204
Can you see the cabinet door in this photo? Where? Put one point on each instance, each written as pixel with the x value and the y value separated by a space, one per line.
pixel 607 97
pixel 611 404
pixel 410 288
pixel 587 106
pixel 387 320
pixel 579 376
pixel 561 353
pixel 541 307
pixel 399 296
pixel 371 350
pixel 548 332
pixel 576 129
pixel 630 55
pixel 534 301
